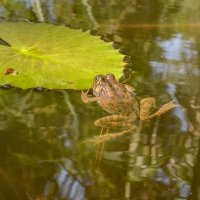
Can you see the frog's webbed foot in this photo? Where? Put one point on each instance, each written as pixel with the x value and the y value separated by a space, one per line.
pixel 147 104
pixel 87 99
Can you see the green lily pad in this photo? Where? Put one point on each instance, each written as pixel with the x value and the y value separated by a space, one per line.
pixel 55 57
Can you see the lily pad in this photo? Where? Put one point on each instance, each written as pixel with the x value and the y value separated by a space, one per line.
pixel 55 57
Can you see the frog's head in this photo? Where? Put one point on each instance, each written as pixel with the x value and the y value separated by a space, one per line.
pixel 99 84
pixel 102 85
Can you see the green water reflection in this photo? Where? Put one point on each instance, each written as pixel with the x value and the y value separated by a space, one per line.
pixel 42 150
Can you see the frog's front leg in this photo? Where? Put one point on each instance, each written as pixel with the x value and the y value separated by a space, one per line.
pixel 146 106
pixel 87 99
pixel 130 89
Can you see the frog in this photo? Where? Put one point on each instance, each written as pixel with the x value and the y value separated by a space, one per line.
pixel 120 100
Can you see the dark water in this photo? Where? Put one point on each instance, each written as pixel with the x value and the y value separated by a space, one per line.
pixel 42 150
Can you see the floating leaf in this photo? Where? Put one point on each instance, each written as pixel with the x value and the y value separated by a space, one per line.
pixel 55 57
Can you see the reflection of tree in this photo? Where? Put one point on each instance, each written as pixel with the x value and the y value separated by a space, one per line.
pixel 14 10
pixel 38 153
pixel 161 161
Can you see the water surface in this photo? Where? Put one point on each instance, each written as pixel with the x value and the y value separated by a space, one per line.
pixel 43 153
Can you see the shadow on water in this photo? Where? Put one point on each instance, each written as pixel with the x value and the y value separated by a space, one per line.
pixel 42 150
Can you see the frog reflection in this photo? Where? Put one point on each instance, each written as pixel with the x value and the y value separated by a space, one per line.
pixel 119 100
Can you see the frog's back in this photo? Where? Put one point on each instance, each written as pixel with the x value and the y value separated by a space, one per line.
pixel 127 108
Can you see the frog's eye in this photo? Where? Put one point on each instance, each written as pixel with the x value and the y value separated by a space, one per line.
pixel 110 77
pixel 98 77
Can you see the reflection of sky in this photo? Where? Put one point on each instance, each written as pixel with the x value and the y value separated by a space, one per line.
pixel 177 54
pixel 1 10
pixel 184 187
pixel 176 61
pixel 27 3
pixel 177 48
pixel 178 111
pixel 69 187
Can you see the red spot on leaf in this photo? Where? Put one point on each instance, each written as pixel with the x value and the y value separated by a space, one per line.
pixel 10 70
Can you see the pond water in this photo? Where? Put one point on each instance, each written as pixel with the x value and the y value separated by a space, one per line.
pixel 43 153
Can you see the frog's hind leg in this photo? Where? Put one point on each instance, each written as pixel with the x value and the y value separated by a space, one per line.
pixel 165 108
pixel 107 137
pixel 110 121
pixel 146 107
pixel 147 104
pixel 113 121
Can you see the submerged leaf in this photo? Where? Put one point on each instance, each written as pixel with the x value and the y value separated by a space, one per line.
pixel 55 57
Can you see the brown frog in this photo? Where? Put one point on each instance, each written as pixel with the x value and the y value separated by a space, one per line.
pixel 120 100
